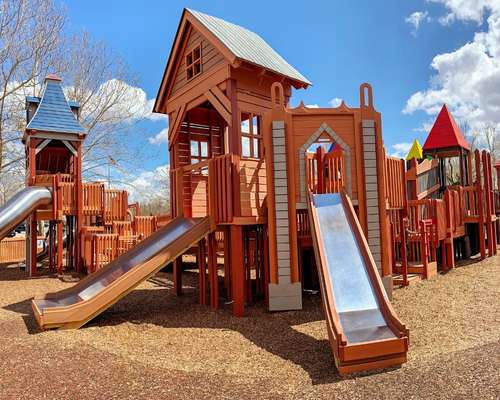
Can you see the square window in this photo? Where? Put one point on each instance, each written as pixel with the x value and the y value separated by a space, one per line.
pixel 193 62
pixel 245 146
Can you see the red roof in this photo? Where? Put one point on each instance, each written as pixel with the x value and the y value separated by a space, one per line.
pixel 445 133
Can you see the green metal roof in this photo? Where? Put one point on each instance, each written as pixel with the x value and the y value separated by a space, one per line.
pixel 248 46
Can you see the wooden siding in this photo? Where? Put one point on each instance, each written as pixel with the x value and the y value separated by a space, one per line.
pixel 210 57
pixel 253 187
pixel 342 125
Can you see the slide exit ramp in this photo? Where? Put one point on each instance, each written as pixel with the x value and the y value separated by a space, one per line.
pixel 363 329
pixel 73 307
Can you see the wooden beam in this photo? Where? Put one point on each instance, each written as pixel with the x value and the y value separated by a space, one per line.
pixel 219 107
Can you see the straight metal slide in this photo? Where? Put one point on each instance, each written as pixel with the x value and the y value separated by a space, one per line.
pixel 73 307
pixel 363 329
pixel 20 206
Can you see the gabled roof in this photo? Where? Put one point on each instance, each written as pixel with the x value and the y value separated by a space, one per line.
pixel 415 151
pixel 248 46
pixel 54 112
pixel 236 43
pixel 445 133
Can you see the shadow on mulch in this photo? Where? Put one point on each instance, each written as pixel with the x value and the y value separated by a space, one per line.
pixel 272 332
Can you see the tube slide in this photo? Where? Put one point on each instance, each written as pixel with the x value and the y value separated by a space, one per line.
pixel 21 205
pixel 363 328
pixel 73 307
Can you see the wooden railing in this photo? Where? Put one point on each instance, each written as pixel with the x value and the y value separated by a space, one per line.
pixel 218 187
pixel 93 198
pixel 68 197
pixel 102 244
pixel 325 172
pixel 423 179
pixel 144 226
pixel 12 250
pixel 115 205
pixel 395 182
pixel 303 226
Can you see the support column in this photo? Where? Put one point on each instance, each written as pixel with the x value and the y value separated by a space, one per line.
pixel 33 245
pixel 59 247
pixel 177 275
pixel 202 277
pixel 237 271
pixel 212 271
pixel 285 294
pixel 372 194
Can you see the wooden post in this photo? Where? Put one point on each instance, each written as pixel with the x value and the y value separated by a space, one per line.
pixel 404 255
pixel 79 206
pixel 480 208
pixel 320 158
pixel 237 271
pixel 177 275
pixel 202 277
pixel 227 263
pixel 33 244
pixel 59 247
pixel 488 203
pixel 450 258
pixel 212 271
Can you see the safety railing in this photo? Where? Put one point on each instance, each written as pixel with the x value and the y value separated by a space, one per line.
pixel 211 187
pixel 93 198
pixel 395 182
pixel 325 172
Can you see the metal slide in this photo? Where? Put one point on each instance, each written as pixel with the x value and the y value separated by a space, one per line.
pixel 73 307
pixel 21 205
pixel 363 328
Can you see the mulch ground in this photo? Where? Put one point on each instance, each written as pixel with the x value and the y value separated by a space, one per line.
pixel 153 345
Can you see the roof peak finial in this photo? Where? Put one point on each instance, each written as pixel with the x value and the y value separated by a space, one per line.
pixel 53 77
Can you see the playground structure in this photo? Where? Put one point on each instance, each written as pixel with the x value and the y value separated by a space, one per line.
pixel 97 221
pixel 288 198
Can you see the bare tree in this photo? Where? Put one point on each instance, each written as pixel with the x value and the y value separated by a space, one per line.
pixel 30 40
pixel 491 138
pixel 100 81
pixel 34 43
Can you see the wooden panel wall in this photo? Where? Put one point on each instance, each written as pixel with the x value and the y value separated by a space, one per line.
pixel 199 124
pixel 253 187
pixel 343 125
pixel 210 58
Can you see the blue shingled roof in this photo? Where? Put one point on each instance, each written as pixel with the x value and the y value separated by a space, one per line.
pixel 54 113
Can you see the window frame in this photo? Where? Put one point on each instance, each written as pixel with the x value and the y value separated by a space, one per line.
pixel 192 62
pixel 252 136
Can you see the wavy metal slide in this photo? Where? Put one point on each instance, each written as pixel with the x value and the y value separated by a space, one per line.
pixel 73 307
pixel 21 205
pixel 363 328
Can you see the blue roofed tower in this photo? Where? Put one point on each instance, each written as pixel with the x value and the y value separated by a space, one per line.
pixel 53 140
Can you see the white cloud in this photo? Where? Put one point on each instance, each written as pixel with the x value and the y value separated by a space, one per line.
pixel 416 19
pixel 148 184
pixel 466 10
pixel 160 138
pixel 466 79
pixel 335 102
pixel 400 150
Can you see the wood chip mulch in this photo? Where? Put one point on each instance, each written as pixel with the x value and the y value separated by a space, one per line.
pixel 153 345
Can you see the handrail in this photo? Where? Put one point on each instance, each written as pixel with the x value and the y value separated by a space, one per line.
pixel 385 306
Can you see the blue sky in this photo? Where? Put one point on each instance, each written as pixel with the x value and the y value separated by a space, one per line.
pixel 336 44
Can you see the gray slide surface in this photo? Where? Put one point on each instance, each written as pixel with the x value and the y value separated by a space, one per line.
pixel 20 206
pixel 135 257
pixel 352 288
